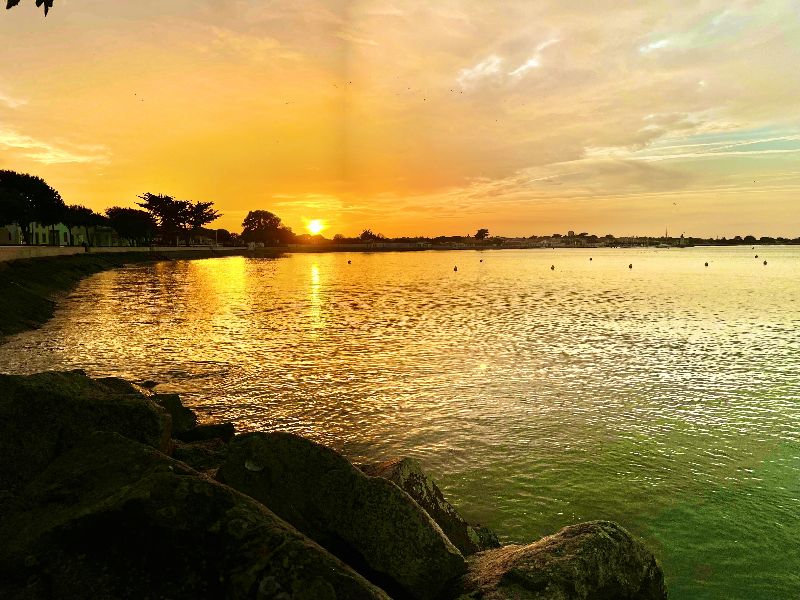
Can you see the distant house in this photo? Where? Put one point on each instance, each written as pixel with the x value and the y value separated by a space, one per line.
pixel 58 235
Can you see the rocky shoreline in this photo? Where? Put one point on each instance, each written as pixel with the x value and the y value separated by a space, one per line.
pixel 111 490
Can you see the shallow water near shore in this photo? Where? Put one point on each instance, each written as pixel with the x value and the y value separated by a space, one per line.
pixel 665 397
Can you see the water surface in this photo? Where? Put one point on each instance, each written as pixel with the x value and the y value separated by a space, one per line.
pixel 665 397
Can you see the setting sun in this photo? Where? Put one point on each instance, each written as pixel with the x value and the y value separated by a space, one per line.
pixel 315 226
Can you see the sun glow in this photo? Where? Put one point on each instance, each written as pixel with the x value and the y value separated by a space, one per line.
pixel 315 226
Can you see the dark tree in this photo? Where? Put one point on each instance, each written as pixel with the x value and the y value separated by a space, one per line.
pixel 265 227
pixel 48 4
pixel 134 225
pixel 482 234
pixel 199 214
pixel 369 236
pixel 176 217
pixel 25 199
pixel 167 212
pixel 72 217
pixel 82 216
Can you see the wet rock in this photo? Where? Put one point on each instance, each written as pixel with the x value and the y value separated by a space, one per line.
pixel 112 518
pixel 183 419
pixel 205 456
pixel 120 386
pixel 45 414
pixel 223 431
pixel 408 475
pixel 484 537
pixel 367 521
pixel 595 560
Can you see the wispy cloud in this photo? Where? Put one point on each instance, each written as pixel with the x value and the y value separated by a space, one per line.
pixel 11 101
pixel 49 154
pixel 487 68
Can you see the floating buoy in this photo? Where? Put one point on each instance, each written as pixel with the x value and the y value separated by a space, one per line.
pixel 756 255
pixel 706 264
pixel 455 269
pixel 765 263
pixel 590 259
pixel 552 267
pixel 630 266
pixel 349 262
pixel 481 260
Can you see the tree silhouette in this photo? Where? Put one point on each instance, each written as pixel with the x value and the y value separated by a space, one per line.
pixel 48 4
pixel 25 199
pixel 199 214
pixel 134 225
pixel 82 216
pixel 265 227
pixel 482 234
pixel 176 217
pixel 368 236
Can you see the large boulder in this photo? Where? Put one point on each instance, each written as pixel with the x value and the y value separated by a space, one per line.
pixel 210 431
pixel 407 474
pixel 367 521
pixel 206 456
pixel 598 560
pixel 112 518
pixel 183 419
pixel 44 414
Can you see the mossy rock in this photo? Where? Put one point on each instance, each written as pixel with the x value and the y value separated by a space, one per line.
pixel 45 414
pixel 367 521
pixel 407 474
pixel 598 560
pixel 113 518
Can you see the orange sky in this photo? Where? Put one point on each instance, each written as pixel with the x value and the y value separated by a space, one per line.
pixel 417 117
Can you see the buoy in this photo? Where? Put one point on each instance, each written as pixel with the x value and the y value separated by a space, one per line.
pixel 706 264
pixel 455 268
pixel 349 262
pixel 590 259
pixel 765 263
pixel 756 255
pixel 552 267
pixel 630 266
pixel 481 260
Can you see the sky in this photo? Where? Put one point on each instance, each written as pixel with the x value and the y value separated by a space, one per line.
pixel 417 117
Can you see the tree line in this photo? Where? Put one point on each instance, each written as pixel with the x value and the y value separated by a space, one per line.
pixel 27 199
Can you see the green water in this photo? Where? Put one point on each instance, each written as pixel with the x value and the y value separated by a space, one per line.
pixel 665 397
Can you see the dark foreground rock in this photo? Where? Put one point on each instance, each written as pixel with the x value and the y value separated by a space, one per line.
pixel 183 419
pixel 367 521
pixel 206 456
pixel 589 561
pixel 44 414
pixel 112 518
pixel 202 433
pixel 407 474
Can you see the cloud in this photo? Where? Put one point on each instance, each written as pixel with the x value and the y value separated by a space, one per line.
pixel 10 101
pixel 485 69
pixel 49 154
pixel 531 63
pixel 653 46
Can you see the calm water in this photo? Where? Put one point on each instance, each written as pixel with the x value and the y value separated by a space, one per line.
pixel 666 397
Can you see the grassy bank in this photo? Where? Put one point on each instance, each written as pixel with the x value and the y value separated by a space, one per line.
pixel 28 288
